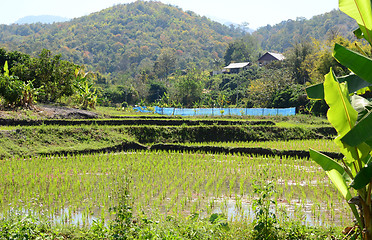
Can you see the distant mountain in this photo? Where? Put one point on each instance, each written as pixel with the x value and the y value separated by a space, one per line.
pixel 283 35
pixel 41 19
pixel 230 24
pixel 127 38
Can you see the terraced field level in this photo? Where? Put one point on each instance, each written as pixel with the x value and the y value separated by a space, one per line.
pixel 83 187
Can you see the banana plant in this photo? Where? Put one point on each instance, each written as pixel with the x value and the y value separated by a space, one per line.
pixel 16 92
pixel 29 94
pixel 350 114
pixel 87 95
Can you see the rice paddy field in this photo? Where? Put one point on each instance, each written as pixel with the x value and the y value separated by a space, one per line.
pixel 82 188
pixel 80 184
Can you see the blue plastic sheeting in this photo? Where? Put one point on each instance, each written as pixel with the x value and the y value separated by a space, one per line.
pixel 220 111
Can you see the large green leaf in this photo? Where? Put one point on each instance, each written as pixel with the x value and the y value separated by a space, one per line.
pixel 359 64
pixel 341 114
pixel 354 83
pixel 328 164
pixel 362 132
pixel 358 33
pixel 337 174
pixel 334 171
pixel 315 91
pixel 361 11
pixel 363 177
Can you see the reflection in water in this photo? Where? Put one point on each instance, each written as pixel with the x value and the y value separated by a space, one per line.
pixel 62 217
pixel 242 210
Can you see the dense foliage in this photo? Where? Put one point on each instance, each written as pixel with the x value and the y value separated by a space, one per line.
pixel 152 53
pixel 283 35
pixel 126 37
pixel 45 78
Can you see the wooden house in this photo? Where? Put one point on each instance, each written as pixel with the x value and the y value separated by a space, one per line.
pixel 268 57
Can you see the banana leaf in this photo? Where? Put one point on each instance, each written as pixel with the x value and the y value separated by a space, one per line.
pixel 341 114
pixel 363 177
pixel 361 105
pixel 362 132
pixel 337 175
pixel 354 83
pixel 359 64
pixel 361 11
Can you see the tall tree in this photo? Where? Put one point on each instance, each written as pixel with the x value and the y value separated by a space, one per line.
pixel 242 50
pixel 190 87
pixel 296 57
pixel 165 64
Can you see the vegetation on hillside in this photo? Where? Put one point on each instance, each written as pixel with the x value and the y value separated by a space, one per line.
pixel 127 38
pixel 321 27
pixel 156 54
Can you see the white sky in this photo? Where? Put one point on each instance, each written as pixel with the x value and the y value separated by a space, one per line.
pixel 257 13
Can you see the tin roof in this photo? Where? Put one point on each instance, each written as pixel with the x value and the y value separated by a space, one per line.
pixel 277 55
pixel 237 65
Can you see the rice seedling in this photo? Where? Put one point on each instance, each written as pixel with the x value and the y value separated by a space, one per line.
pixel 85 186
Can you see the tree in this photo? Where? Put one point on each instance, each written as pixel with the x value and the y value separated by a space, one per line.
pixel 263 90
pixel 242 50
pixel 87 96
pixel 190 87
pixel 320 60
pixel 11 58
pixel 290 96
pixel 50 72
pixel 165 64
pixel 156 91
pixel 296 57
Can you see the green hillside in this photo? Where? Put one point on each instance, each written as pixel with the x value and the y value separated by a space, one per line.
pixel 130 38
pixel 283 35
pixel 126 37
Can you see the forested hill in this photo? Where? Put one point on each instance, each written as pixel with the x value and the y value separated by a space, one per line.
pixel 283 35
pixel 142 35
pixel 126 37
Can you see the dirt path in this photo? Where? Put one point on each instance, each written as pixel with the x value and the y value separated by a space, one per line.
pixel 48 112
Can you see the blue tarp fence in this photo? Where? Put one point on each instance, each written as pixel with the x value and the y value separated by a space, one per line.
pixel 218 111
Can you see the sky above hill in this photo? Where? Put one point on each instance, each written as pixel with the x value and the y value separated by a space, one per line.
pixel 256 13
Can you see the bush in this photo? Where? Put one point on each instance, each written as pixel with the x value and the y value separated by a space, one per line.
pixel 291 96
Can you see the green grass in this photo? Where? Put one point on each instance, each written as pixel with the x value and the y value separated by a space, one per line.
pixel 31 141
pixel 118 111
pixel 166 189
pixel 24 141
pixel 30 227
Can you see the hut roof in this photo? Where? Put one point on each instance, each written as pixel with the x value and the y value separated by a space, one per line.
pixel 237 65
pixel 277 56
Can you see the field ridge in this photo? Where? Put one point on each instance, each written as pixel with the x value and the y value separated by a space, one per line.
pixel 257 151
